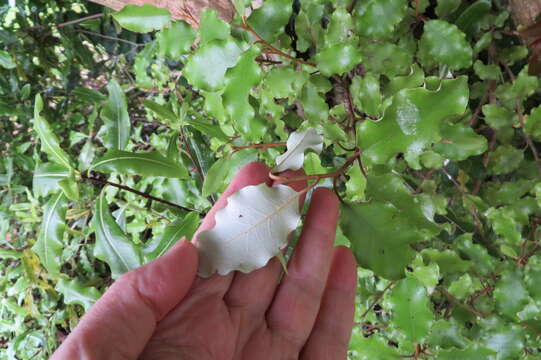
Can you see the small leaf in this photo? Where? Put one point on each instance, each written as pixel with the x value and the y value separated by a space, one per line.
pixel 498 117
pixel 6 61
pixel 411 309
pixel 223 170
pixel 175 40
pixel 297 144
pixel 487 72
pixel 378 18
pixel 250 230
pixel 46 178
pixel 184 227
pixel 142 19
pixel 510 293
pixel 271 18
pixel 445 44
pixel 76 293
pixel 49 141
pixel 356 184
pixel 115 117
pixel 472 352
pixel 532 124
pixel 338 59
pixel 162 112
pixel 211 27
pixel 460 142
pixel 505 159
pixel 145 164
pixel 366 94
pixel 206 68
pixel 112 245
pixel 50 239
pixel 372 348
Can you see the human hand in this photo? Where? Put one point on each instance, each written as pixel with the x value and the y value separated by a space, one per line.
pixel 163 311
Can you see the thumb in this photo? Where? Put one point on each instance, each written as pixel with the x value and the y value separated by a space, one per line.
pixel 122 321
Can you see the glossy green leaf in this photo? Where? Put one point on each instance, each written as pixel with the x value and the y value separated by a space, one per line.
pixel 356 184
pixel 366 94
pixel 507 342
pixel 445 44
pixel 504 224
pixel 49 141
pixel 175 40
pixel 206 68
pixel 484 263
pixel 211 27
pixel 386 58
pixel 487 72
pixel 270 18
pixel 472 352
pixel 446 334
pixel 447 7
pixel 428 275
pixel 46 178
pixel 532 124
pixel 411 309
pixel 475 18
pixel 510 293
pixel 460 142
pixel 314 106
pixel 463 286
pixel 180 228
pixel 221 172
pixel 380 237
pixel 6 61
pixel 112 245
pixel 142 19
pixel 498 117
pixel 340 27
pixel 239 80
pixel 51 236
pixel 75 292
pixel 505 159
pixel 115 117
pixel 338 59
pixel 413 121
pixel 162 112
pixel 378 18
pixel 372 348
pixel 145 164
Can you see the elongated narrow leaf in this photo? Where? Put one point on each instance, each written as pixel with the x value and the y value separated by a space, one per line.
pixel 180 228
pixel 49 141
pixel 249 231
pixel 297 144
pixel 112 245
pixel 115 117
pixel 46 178
pixel 76 293
pixel 145 164
pixel 50 239
pixel 142 19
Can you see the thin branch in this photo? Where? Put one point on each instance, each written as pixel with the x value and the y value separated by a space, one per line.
pixel 454 300
pixel 68 23
pixel 272 49
pixel 109 37
pixel 145 195
pixel 257 146
pixel 377 299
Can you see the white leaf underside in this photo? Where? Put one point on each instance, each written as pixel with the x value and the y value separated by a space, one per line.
pixel 297 144
pixel 250 230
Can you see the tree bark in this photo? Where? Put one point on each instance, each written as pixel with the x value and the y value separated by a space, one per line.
pixel 525 12
pixel 179 9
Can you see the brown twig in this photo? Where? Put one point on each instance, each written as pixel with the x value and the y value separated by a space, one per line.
pixel 257 146
pixel 145 195
pixel 109 37
pixel 377 299
pixel 288 180
pixel 272 49
pixel 68 23
pixel 454 300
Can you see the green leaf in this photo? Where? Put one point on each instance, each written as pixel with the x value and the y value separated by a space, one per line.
pixel 505 159
pixel 112 245
pixel 507 341
pixel 338 59
pixel 70 187
pixel 487 72
pixel 377 246
pixel 145 164
pixel 532 124
pixel 386 58
pixel 510 293
pixel 180 228
pixel 366 94
pixel 372 348
pixel 498 117
pixel 475 18
pixel 6 61
pixel 340 27
pixel 428 275
pixel 315 108
pixel 142 19
pixel 115 117
pixel 448 261
pixel 271 18
pixel 378 18
pixel 472 352
pixel 460 142
pixel 75 292
pixel 176 40
pixel 484 263
pixel 166 115
pixel 447 7
pixel 207 128
pixel 221 172
pixel 46 178
pixel 356 184
pixel 463 287
pixel 414 79
pixel 88 95
pixel 51 235
pixel 206 68
pixel 49 141
pixel 211 27
pixel 504 224
pixel 445 44
pixel 413 121
pixel 446 334
pixel 411 309
pixel 239 80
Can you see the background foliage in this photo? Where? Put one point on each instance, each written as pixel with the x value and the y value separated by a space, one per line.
pixel 442 208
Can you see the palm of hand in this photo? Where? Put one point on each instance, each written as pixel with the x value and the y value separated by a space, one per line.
pixel 306 314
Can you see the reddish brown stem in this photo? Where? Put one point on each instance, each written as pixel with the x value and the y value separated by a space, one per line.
pixel 454 300
pixel 377 299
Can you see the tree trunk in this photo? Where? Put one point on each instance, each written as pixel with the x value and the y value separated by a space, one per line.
pixel 525 12
pixel 179 9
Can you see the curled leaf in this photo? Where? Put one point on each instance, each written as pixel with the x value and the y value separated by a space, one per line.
pixel 249 231
pixel 297 143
